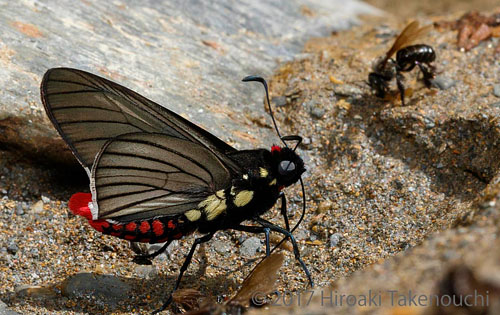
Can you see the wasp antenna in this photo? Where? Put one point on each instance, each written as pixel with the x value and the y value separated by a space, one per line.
pixel 264 83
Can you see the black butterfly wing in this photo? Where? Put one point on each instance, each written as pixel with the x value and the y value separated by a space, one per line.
pixel 88 110
pixel 144 175
pixel 143 159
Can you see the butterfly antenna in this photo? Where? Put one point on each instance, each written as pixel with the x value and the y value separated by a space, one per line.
pixel 264 83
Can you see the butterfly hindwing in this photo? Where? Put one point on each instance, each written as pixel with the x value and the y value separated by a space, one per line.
pixel 146 175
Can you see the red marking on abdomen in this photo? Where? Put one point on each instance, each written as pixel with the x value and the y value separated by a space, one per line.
pixel 131 227
pixel 99 225
pixel 171 224
pixel 117 227
pixel 158 228
pixel 144 227
pixel 130 237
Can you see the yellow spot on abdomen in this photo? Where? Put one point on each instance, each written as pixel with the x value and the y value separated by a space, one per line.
pixel 263 172
pixel 243 198
pixel 193 215
pixel 273 182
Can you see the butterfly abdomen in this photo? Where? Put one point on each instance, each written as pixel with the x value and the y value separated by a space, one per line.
pixel 155 230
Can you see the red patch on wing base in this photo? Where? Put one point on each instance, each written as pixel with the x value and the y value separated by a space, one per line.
pixel 158 227
pixel 79 205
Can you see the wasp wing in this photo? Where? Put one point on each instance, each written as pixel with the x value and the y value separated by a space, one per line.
pixel 88 111
pixel 145 175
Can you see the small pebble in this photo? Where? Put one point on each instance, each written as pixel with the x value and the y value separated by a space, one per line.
pixel 45 199
pixel 279 101
pixel 12 248
pixel 443 83
pixel 316 111
pixel 335 239
pixel 346 90
pixel 496 90
pixel 250 246
pixel 146 271
pixel 37 207
pixel 221 247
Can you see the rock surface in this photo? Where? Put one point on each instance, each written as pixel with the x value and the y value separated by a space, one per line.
pixel 189 56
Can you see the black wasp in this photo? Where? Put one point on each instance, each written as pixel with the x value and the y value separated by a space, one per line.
pixel 407 57
pixel 156 177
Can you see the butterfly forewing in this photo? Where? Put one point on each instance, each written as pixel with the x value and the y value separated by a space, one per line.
pixel 88 110
pixel 145 175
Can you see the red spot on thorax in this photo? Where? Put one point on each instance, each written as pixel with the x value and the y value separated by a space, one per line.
pixel 275 148
pixel 144 227
pixel 131 227
pixel 79 205
pixel 171 224
pixel 157 227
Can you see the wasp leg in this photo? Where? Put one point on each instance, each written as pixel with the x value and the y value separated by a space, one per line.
pixel 401 87
pixel 296 252
pixel 145 259
pixel 184 267
pixel 428 74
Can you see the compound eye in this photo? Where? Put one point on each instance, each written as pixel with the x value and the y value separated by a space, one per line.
pixel 286 167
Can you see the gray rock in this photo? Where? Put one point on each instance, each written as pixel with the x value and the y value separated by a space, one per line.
pixel 279 101
pixel 496 90
pixel 250 246
pixel 188 55
pixel 45 199
pixel 316 110
pixel 4 309
pixel 37 207
pixel 346 90
pixel 12 248
pixel 335 239
pixel 146 271
pixel 221 247
pixel 105 288
pixel 443 82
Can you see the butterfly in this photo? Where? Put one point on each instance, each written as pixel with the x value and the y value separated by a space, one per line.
pixel 156 177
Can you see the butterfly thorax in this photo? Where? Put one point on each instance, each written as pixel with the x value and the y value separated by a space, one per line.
pixel 252 192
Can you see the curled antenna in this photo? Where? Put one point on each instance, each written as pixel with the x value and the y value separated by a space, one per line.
pixel 264 83
pixel 283 139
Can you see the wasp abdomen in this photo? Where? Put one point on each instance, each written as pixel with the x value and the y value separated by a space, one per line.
pixel 408 57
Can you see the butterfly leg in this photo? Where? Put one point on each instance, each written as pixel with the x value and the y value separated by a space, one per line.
pixel 283 210
pixel 145 259
pixel 296 252
pixel 184 267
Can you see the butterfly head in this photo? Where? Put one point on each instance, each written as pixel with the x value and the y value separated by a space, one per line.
pixel 287 165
